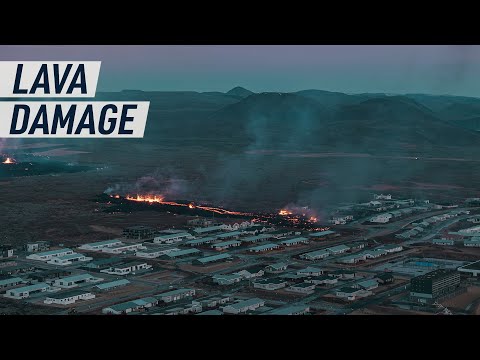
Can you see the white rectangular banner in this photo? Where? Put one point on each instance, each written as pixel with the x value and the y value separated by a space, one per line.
pixel 97 119
pixel 49 79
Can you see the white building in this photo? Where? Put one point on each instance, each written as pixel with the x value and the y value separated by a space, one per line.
pixel 443 242
pixel 322 280
pixel 302 288
pixel 382 197
pixel 473 242
pixel 37 246
pixel 230 235
pixel 152 253
pixel 202 241
pixel 391 248
pixel 315 255
pixel 276 268
pixel 353 259
pixel 120 249
pixel 290 310
pixel 381 218
pixel 69 259
pixel 351 293
pixel 369 284
pixel 98 246
pixel 175 295
pixel 131 306
pixel 339 249
pixel 13 281
pixel 270 284
pixel 295 241
pixel 75 280
pixel 224 245
pixel 243 306
pixel 49 255
pixel 310 271
pixel 172 238
pixel 112 285
pixel 128 268
pixel 227 279
pixel 209 229
pixel 264 248
pixel 25 291
pixel 68 297
pixel 251 273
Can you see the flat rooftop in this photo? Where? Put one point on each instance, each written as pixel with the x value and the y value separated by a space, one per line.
pixel 67 294
pixel 472 266
pixel 436 274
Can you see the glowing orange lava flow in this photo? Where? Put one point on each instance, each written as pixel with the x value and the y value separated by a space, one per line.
pixel 8 161
pixel 144 198
pixel 160 200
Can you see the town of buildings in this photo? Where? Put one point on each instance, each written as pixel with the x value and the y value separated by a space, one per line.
pixel 368 256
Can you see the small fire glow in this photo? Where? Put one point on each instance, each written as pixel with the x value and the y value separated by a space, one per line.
pixel 8 161
pixel 284 212
pixel 191 206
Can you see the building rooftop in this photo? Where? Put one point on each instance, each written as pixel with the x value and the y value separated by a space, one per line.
pixel 208 229
pixel 112 284
pixel 271 281
pixel 241 304
pixel 317 253
pixel 201 240
pixel 67 294
pixel 129 264
pixel 338 248
pixel 101 262
pixel 293 241
pixel 226 276
pixel 52 252
pixel 277 266
pixel 133 304
pixel 11 280
pixel 79 277
pixel 302 285
pixel 103 243
pixel 70 257
pixel 308 270
pixel 263 247
pixel 472 266
pixel 177 253
pixel 321 233
pixel 384 276
pixel 211 312
pixel 33 287
pixel 256 238
pixel 229 234
pixel 433 275
pixel 226 243
pixel 286 310
pixel 212 258
pixel 173 235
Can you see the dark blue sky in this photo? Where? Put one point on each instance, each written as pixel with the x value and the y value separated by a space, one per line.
pixel 392 69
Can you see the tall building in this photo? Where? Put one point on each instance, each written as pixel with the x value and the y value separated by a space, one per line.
pixel 433 285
